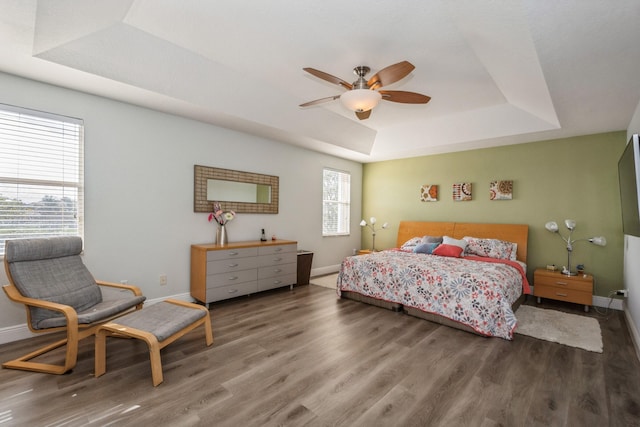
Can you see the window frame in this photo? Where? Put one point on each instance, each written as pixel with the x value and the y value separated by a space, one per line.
pixel 42 175
pixel 344 206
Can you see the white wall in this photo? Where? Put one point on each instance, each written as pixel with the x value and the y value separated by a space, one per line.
pixel 631 265
pixel 139 219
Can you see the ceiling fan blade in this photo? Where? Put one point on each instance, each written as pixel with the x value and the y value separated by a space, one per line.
pixel 320 101
pixel 404 97
pixel 391 74
pixel 362 115
pixel 329 78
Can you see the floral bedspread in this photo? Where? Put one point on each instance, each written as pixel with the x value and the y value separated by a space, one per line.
pixel 467 290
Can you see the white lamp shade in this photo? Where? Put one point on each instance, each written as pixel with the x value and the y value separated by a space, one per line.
pixel 600 241
pixel 552 226
pixel 385 225
pixel 363 223
pixel 570 224
pixel 360 99
pixel 373 220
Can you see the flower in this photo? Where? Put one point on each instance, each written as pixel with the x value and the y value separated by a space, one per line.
pixel 219 216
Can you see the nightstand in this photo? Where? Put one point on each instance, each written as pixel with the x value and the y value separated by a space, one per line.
pixel 555 285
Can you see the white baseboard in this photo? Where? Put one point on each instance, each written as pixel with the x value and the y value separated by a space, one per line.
pixel 603 302
pixel 635 336
pixel 22 331
pixel 15 333
pixel 325 270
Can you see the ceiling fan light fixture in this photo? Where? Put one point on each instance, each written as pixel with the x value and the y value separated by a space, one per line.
pixel 360 100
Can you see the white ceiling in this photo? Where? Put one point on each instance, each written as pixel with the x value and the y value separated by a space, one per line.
pixel 498 72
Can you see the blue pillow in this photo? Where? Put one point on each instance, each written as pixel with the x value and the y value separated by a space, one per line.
pixel 425 248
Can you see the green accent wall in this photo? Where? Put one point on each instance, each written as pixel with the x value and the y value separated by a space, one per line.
pixel 574 178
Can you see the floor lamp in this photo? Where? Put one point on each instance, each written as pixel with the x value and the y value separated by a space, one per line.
pixel 552 226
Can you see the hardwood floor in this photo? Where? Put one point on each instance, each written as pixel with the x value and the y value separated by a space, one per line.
pixel 304 357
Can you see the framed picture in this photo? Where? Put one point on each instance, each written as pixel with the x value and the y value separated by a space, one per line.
pixel 501 190
pixel 462 192
pixel 429 193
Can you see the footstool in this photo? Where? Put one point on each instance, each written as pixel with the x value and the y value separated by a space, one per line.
pixel 158 325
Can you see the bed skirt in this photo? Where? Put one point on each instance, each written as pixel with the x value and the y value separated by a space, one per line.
pixel 394 306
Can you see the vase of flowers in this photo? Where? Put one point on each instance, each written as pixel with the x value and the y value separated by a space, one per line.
pixel 221 218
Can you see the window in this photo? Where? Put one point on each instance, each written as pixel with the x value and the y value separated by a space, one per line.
pixel 336 202
pixel 41 174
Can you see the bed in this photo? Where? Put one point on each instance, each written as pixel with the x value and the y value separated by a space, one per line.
pixel 477 292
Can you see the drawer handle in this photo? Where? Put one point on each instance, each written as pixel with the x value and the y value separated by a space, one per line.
pixel 560 294
pixel 232 291
pixel 233 253
pixel 233 265
pixel 278 259
pixel 561 283
pixel 278 249
pixel 277 282
pixel 277 270
pixel 233 278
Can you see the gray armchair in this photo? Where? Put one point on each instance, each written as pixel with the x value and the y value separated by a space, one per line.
pixel 48 276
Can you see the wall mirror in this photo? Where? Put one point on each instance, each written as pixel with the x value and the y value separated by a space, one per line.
pixel 242 192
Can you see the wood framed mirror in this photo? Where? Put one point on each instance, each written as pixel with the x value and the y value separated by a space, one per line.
pixel 242 192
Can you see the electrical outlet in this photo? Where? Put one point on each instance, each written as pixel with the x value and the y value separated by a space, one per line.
pixel 623 292
pixel 124 282
pixel 163 279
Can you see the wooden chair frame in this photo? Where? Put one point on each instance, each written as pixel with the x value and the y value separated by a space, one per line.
pixel 75 331
pixel 114 329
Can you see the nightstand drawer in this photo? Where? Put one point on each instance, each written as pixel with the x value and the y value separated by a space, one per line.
pixel 563 294
pixel 562 281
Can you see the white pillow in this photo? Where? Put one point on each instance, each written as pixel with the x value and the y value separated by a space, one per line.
pixel 461 243
pixel 410 244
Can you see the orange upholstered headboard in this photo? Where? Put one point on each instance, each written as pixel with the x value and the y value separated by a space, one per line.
pixel 515 233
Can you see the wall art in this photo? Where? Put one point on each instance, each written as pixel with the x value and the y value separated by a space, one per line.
pixel 462 192
pixel 501 190
pixel 429 193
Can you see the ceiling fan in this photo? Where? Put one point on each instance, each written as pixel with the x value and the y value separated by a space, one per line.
pixel 363 95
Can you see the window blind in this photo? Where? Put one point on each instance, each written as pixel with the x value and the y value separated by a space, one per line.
pixel 336 202
pixel 41 174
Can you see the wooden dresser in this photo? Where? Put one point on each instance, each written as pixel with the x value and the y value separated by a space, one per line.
pixel 241 268
pixel 555 285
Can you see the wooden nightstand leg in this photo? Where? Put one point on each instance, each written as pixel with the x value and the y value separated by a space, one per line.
pixel 539 300
pixel 586 308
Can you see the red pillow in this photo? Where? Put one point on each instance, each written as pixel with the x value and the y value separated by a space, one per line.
pixel 448 250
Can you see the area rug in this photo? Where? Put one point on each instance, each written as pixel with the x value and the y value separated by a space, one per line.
pixel 328 281
pixel 563 328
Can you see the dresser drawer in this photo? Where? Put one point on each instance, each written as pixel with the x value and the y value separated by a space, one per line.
pixel 231 291
pixel 277 249
pixel 563 294
pixel 232 264
pixel 231 253
pixel 277 270
pixel 223 279
pixel 277 259
pixel 276 282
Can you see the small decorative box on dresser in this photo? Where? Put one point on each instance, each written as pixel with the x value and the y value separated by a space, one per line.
pixel 555 285
pixel 241 268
